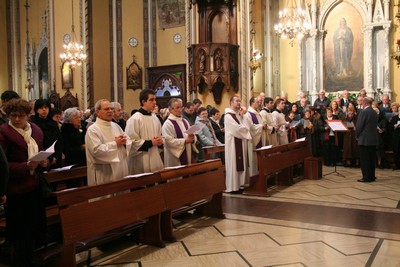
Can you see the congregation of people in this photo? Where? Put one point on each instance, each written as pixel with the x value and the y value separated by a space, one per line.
pixel 113 145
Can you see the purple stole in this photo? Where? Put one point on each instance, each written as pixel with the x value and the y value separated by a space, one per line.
pixel 255 121
pixel 183 158
pixel 238 148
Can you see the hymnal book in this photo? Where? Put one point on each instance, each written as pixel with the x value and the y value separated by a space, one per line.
pixel 294 124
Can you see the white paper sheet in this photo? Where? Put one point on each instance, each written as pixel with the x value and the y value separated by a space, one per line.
pixel 42 155
pixel 137 175
pixel 194 129
pixel 63 168
pixel 337 126
pixel 300 139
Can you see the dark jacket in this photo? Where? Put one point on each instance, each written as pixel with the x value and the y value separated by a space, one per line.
pixel 73 139
pixel 16 150
pixel 4 172
pixel 51 133
pixel 367 122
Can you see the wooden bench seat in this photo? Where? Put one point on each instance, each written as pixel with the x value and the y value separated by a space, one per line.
pixel 277 162
pixel 145 201
pixel 92 215
pixel 199 187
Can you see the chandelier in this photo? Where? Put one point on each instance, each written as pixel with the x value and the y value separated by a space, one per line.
pixel 74 53
pixel 292 22
pixel 396 54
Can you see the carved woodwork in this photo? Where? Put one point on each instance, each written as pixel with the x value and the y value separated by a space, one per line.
pixel 69 101
pixel 168 82
pixel 213 63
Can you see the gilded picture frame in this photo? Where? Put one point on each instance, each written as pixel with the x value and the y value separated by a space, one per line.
pixel 67 76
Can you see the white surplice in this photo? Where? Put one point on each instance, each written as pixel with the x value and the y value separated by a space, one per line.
pixel 234 178
pixel 282 135
pixel 256 131
pixel 269 137
pixel 173 146
pixel 140 128
pixel 105 160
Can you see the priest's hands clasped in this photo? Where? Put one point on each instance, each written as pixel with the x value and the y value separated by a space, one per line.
pixel 157 141
pixel 121 140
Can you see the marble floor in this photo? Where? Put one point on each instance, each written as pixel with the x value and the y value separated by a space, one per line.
pixel 335 221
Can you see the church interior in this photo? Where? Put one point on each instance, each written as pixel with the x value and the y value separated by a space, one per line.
pixel 212 50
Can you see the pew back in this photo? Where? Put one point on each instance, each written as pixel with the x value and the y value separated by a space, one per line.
pixel 201 180
pixel 277 159
pixel 87 213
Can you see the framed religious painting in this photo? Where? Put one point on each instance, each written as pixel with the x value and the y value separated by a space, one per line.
pixel 134 76
pixel 344 45
pixel 67 78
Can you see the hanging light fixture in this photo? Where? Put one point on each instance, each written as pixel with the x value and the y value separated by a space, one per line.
pixel 74 53
pixel 256 54
pixel 292 23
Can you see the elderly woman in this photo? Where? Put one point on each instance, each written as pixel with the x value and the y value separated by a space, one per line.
pixel 25 210
pixel 207 135
pixel 73 136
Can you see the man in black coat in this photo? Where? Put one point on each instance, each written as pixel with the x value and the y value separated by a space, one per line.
pixel 367 138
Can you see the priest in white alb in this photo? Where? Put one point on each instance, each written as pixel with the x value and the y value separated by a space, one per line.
pixel 177 143
pixel 270 136
pixel 279 118
pixel 237 134
pixel 144 129
pixel 254 122
pixel 107 147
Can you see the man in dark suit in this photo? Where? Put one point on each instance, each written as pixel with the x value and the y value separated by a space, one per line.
pixel 321 103
pixel 367 140
pixel 344 102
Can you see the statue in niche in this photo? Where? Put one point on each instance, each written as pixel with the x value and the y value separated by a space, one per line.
pixel 343 49
pixel 202 65
pixel 218 60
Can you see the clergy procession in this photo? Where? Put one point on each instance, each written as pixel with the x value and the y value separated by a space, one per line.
pixel 152 139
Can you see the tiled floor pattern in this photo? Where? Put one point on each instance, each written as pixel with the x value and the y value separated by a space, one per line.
pixel 242 240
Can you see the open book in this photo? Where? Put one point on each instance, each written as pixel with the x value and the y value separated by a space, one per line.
pixel 42 155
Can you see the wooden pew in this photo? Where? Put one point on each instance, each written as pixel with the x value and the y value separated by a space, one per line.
pixel 209 150
pixel 278 159
pixel 86 223
pixel 60 179
pixel 199 187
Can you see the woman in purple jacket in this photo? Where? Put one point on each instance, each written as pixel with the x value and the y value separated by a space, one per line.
pixel 25 210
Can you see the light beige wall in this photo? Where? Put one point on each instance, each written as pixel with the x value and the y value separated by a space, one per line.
pixel 169 53
pixel 289 69
pixel 101 50
pixel 3 49
pixel 132 17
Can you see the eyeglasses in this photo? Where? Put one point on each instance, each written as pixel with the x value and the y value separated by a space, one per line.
pixel 107 109
pixel 17 115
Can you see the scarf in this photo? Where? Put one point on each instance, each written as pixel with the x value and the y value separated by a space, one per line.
pixel 26 133
pixel 208 124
